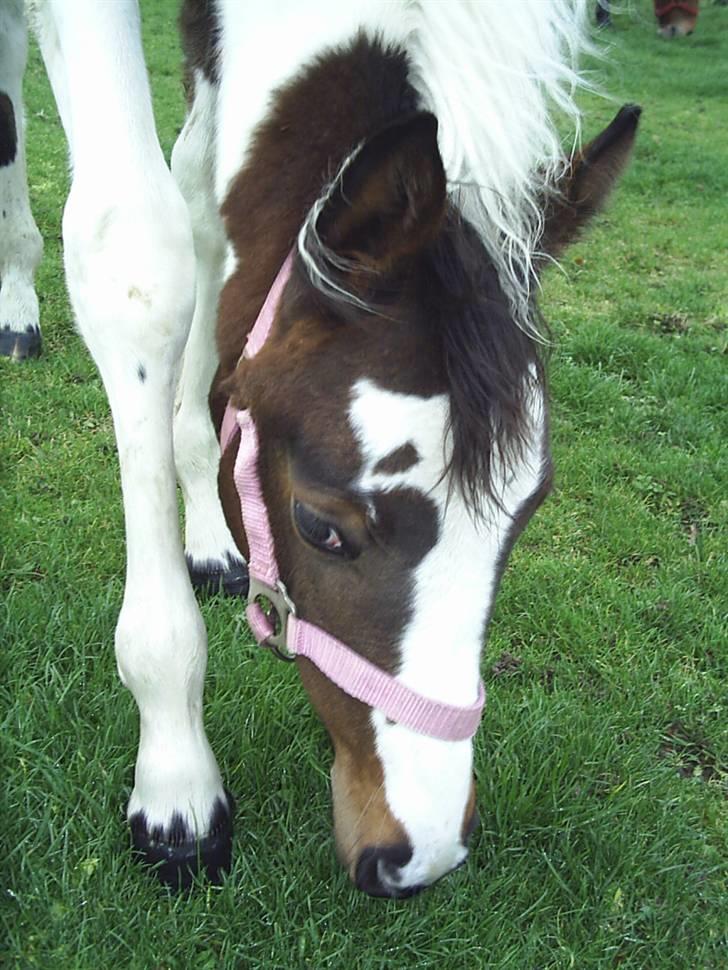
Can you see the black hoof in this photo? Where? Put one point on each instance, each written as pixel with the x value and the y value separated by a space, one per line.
pixel 20 346
pixel 177 856
pixel 210 577
pixel 603 14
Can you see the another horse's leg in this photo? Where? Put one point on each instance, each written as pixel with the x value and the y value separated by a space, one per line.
pixel 20 244
pixel 212 556
pixel 131 276
pixel 603 14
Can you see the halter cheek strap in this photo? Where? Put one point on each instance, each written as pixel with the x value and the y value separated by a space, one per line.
pixel 280 628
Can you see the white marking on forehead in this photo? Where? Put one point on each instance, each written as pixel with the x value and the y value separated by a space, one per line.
pixel 427 781
pixel 384 421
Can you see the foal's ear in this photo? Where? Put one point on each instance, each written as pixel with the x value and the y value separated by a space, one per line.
pixel 390 200
pixel 592 175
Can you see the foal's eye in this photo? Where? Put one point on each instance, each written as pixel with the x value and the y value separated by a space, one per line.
pixel 318 531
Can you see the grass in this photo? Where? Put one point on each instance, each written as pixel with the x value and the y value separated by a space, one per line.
pixel 602 757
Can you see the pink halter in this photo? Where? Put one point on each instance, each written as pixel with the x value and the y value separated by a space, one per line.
pixel 291 636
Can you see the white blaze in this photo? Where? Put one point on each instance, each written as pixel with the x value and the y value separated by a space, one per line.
pixel 427 781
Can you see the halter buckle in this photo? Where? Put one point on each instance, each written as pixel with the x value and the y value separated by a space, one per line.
pixel 280 607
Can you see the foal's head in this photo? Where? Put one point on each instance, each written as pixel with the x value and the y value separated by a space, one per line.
pixel 402 428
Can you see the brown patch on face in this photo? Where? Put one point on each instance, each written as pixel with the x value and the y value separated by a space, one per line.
pixel 398 460
pixel 362 819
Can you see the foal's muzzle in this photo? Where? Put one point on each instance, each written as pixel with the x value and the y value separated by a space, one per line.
pixel 378 871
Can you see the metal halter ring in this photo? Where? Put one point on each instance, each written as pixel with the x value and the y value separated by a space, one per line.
pixel 281 606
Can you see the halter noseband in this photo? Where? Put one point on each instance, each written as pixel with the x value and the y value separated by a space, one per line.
pixel 279 627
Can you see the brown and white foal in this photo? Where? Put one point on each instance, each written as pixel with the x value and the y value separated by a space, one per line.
pixel 404 153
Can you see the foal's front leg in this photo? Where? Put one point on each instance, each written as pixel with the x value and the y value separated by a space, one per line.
pixel 131 276
pixel 21 246
pixel 212 556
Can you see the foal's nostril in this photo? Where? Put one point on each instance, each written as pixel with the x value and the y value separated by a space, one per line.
pixel 378 868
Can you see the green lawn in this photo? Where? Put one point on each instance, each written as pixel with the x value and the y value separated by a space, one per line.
pixel 602 758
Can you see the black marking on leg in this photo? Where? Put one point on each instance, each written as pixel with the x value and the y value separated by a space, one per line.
pixel 8 131
pixel 177 856
pixel 603 14
pixel 210 577
pixel 20 346
pixel 141 373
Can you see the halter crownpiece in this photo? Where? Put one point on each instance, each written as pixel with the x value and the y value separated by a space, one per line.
pixel 280 628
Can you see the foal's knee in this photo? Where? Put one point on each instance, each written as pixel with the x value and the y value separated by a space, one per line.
pixel 130 269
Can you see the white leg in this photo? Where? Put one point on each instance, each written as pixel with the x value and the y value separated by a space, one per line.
pixel 212 555
pixel 21 246
pixel 130 269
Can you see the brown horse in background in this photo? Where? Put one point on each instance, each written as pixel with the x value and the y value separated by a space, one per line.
pixel 677 18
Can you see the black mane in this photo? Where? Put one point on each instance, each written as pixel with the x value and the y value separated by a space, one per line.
pixel 490 363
